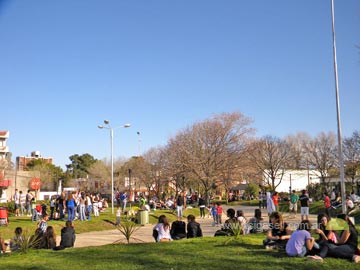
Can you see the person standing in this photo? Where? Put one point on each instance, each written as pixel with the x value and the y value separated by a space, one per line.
pixel 202 206
pixel 260 198
pixel 180 204
pixel 96 201
pixel 61 205
pixel 294 198
pixel 275 199
pixel 52 206
pixel 264 200
pixel 16 199
pixel 82 206
pixel 33 210
pixel 70 205
pixel 269 204
pixel 219 213
pixel 22 201
pixel 304 204
pixel 88 205
pixel 327 204
pixel 123 200
pixel 28 198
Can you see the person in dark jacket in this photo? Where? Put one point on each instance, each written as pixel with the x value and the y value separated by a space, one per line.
pixel 178 229
pixel 67 236
pixel 193 228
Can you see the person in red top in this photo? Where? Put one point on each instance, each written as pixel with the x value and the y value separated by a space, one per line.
pixel 275 199
pixel 219 213
pixel 327 204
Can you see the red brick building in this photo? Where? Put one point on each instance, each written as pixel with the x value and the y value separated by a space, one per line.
pixel 22 161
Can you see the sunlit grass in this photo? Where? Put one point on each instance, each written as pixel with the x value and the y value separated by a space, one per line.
pixel 246 252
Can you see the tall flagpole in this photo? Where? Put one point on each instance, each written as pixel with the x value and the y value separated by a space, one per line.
pixel 341 158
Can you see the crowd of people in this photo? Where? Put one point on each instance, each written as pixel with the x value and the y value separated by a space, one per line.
pixel 76 205
pixel 337 237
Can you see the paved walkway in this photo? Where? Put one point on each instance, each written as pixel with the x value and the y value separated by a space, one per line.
pixel 99 238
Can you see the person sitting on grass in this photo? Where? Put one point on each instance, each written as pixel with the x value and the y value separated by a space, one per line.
pixel 43 223
pixel 278 234
pixel 347 245
pixel 301 242
pixel 67 236
pixel 178 229
pixel 255 225
pixel 193 227
pixel 242 221
pixel 324 234
pixel 2 245
pixel 49 238
pixel 17 240
pixel 230 224
pixel 163 229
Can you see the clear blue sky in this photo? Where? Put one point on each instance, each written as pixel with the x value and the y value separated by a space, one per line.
pixel 161 65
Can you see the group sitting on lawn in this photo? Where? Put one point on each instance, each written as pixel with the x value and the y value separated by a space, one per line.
pixel 43 238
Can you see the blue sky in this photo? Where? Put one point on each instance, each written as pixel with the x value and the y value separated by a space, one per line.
pixel 161 65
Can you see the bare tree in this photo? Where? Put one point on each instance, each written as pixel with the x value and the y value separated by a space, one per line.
pixel 321 153
pixel 296 143
pixel 352 157
pixel 272 156
pixel 154 159
pixel 140 173
pixel 209 148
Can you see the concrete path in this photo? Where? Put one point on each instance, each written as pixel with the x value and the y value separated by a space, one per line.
pixel 144 233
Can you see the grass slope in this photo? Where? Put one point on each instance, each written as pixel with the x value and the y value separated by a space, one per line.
pixel 202 253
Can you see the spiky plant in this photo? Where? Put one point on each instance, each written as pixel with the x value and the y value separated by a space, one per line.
pixel 27 241
pixel 127 229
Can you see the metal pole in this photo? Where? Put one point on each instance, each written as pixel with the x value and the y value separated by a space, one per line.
pixel 112 169
pixel 139 144
pixel 341 159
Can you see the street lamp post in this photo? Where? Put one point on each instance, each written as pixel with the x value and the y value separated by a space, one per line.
pixel 339 133
pixel 107 123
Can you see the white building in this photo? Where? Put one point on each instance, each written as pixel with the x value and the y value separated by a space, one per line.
pixel 294 180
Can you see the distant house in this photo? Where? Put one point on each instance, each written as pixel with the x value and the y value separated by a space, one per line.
pixel 238 191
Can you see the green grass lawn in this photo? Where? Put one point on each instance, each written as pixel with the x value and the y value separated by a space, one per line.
pixel 202 253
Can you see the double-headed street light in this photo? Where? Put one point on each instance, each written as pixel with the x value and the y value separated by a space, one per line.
pixel 107 123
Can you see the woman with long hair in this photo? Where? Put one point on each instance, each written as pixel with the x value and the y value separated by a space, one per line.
pixel 278 233
pixel 49 238
pixel 324 234
pixel 163 229
pixel 255 225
